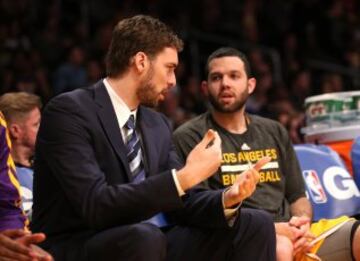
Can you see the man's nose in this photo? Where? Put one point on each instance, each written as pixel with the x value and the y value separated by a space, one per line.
pixel 225 81
pixel 172 80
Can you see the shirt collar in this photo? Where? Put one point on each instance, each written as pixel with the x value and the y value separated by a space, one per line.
pixel 122 111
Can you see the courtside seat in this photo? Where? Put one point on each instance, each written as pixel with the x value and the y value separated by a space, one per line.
pixel 329 186
pixel 355 159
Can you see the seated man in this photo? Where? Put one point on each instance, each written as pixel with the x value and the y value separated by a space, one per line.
pixel 16 243
pixel 22 114
pixel 106 173
pixel 245 139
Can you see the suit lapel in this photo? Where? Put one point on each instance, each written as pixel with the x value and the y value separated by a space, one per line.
pixel 149 135
pixel 107 117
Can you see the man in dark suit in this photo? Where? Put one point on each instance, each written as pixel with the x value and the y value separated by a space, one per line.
pixel 107 175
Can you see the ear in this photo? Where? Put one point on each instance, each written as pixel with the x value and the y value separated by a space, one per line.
pixel 14 130
pixel 140 61
pixel 204 88
pixel 251 85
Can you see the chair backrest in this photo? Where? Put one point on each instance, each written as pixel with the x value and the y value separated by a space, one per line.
pixel 330 188
pixel 355 159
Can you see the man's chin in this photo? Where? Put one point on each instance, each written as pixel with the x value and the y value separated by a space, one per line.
pixel 161 97
pixel 226 109
pixel 150 103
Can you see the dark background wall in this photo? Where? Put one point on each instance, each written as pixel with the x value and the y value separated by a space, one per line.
pixel 297 48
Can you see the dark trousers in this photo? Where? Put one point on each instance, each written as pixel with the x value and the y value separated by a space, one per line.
pixel 251 238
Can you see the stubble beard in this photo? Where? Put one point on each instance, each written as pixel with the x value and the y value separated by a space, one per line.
pixel 146 92
pixel 238 105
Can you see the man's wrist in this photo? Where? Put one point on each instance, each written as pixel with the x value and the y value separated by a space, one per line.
pixel 180 190
pixel 228 200
pixel 183 178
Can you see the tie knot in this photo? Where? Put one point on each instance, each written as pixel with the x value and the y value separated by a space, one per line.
pixel 130 124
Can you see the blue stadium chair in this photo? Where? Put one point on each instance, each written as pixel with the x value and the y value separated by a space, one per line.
pixel 355 159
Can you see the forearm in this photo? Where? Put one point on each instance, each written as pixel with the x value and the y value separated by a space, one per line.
pixel 301 207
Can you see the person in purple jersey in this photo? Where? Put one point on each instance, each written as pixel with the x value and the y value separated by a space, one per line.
pixel 22 115
pixel 16 242
pixel 10 203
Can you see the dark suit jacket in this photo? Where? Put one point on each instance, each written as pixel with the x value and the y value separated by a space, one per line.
pixel 81 180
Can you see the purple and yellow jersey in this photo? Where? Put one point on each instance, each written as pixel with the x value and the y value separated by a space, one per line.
pixel 11 214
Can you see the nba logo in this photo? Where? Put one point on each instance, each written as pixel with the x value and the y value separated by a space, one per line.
pixel 314 186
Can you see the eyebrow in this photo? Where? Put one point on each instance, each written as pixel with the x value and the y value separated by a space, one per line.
pixel 232 71
pixel 173 65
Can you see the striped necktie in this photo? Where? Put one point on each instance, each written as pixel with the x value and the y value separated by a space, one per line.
pixel 134 157
pixel 134 154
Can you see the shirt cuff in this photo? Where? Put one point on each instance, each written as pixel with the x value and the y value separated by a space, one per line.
pixel 230 213
pixel 180 191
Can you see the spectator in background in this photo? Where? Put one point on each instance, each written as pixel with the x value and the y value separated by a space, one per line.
pixel 71 74
pixel 170 107
pixel 22 112
pixel 94 71
pixel 332 82
pixel 26 74
pixel 300 89
pixel 258 102
pixel 190 98
pixel 16 243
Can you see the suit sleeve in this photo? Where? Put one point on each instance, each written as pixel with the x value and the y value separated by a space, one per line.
pixel 66 144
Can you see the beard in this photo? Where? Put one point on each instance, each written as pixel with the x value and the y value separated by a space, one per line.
pixel 237 105
pixel 146 93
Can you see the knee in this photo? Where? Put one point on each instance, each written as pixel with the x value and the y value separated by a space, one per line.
pixel 148 238
pixel 136 242
pixel 263 222
pixel 259 225
pixel 356 244
pixel 284 248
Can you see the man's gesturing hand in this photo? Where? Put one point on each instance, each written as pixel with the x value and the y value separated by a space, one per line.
pixel 245 184
pixel 202 162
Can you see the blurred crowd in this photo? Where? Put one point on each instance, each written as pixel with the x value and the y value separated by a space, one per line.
pixel 50 47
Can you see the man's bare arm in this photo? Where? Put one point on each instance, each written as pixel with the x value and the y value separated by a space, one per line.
pixel 301 207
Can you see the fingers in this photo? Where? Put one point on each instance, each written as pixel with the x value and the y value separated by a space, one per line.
pixel 299 221
pixel 301 245
pixel 261 162
pixel 32 239
pixel 13 250
pixel 14 233
pixel 309 236
pixel 247 178
pixel 253 176
pixel 208 139
pixel 17 249
pixel 246 184
pixel 217 139
pixel 41 254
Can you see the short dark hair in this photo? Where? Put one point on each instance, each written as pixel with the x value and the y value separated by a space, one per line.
pixel 229 51
pixel 140 33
